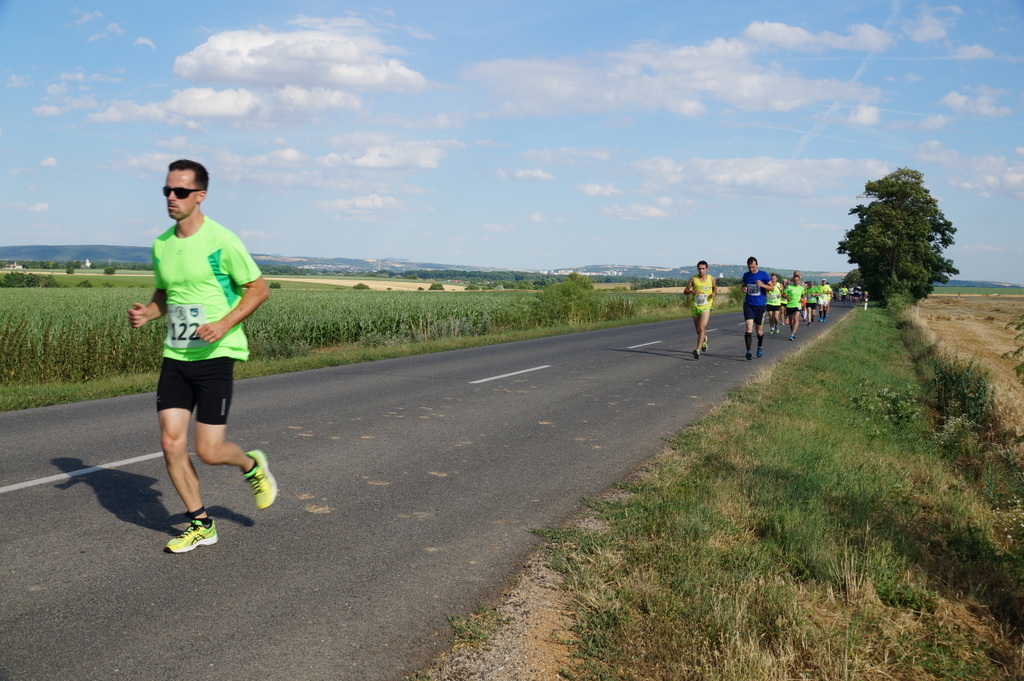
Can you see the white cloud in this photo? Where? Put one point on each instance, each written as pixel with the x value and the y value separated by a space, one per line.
pixel 598 189
pixel 206 102
pixel 936 122
pixel 973 52
pixel 533 175
pixel 640 211
pixel 361 207
pixel 144 41
pixel 30 207
pixel 650 77
pixel 19 81
pixel 499 229
pixel 984 104
pixel 279 76
pixel 566 155
pixel 983 175
pixel 178 142
pixel 925 28
pixel 862 37
pixel 758 176
pixel 991 175
pixel 50 162
pixel 86 17
pixel 865 115
pixel 537 217
pixel 384 152
pixel 934 151
pixel 281 158
pixel 338 53
pixel 231 104
pixel 103 35
pixel 63 104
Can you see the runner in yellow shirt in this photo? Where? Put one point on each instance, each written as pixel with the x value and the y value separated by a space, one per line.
pixel 773 304
pixel 703 289
pixel 824 300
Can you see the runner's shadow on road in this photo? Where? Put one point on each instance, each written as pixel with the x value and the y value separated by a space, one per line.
pixel 130 497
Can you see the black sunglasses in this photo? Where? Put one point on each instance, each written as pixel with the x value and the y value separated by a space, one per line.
pixel 180 192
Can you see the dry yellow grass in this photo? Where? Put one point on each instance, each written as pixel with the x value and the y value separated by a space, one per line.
pixel 975 327
pixel 374 284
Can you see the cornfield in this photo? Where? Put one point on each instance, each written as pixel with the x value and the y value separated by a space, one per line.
pixel 76 335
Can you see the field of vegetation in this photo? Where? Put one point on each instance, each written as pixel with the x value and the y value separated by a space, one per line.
pixel 53 337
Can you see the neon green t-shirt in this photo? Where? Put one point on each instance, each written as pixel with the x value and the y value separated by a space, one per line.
pixel 812 293
pixel 203 276
pixel 774 297
pixel 793 295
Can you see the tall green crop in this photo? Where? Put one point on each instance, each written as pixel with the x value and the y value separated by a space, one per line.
pixel 78 334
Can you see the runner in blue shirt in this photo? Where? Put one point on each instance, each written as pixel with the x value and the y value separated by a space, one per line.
pixel 755 283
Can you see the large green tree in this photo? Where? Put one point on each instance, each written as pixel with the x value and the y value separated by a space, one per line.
pixel 899 239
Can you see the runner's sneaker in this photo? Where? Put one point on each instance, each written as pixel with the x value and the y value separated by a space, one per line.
pixel 792 338
pixel 749 355
pixel 264 486
pixel 195 535
pixel 704 347
pixel 696 354
pixel 760 351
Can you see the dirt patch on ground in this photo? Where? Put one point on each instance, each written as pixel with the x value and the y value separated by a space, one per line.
pixel 531 643
pixel 975 327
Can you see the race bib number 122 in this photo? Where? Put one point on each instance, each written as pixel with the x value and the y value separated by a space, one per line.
pixel 182 323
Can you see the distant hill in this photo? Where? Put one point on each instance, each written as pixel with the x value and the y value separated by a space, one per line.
pixel 100 254
pixel 714 269
pixel 97 254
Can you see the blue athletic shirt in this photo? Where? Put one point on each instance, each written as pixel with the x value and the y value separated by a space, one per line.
pixel 750 284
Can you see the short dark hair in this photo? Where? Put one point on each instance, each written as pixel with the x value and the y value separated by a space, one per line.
pixel 702 262
pixel 751 261
pixel 202 177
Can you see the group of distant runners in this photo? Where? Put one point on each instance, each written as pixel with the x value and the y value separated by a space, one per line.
pixel 789 302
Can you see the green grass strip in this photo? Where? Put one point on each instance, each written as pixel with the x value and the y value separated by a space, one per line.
pixel 808 529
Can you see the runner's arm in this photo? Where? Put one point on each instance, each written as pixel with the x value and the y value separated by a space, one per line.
pixel 139 314
pixel 256 292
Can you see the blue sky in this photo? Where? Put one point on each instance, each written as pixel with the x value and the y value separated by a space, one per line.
pixel 527 134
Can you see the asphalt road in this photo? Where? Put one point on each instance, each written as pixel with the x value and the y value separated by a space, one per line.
pixel 409 489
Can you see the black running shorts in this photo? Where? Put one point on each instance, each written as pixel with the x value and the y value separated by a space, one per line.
pixel 204 386
pixel 755 312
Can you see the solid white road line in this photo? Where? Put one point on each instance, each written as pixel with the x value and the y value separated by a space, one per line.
pixel 514 373
pixel 642 345
pixel 81 471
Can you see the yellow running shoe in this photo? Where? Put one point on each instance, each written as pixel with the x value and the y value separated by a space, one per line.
pixel 264 486
pixel 195 535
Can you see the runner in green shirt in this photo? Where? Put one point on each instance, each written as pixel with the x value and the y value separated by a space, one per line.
pixel 793 294
pixel 206 284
